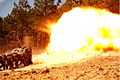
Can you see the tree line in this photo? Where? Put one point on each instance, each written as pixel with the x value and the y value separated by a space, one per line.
pixel 29 25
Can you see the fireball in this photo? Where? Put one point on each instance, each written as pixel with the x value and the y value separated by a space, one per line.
pixel 86 29
pixel 82 33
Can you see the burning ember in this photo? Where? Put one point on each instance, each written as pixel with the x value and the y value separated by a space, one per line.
pixel 86 29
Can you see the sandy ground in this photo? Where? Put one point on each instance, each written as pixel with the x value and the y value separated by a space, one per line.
pixel 94 68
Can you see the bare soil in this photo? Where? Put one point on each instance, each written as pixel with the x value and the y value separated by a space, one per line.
pixel 95 68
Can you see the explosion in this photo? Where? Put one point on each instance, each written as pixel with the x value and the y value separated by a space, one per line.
pixel 86 29
pixel 80 34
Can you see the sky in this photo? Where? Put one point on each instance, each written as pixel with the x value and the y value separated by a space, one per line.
pixel 6 6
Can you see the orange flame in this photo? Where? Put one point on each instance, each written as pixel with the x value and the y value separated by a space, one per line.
pixel 80 30
pixel 86 28
pixel 79 34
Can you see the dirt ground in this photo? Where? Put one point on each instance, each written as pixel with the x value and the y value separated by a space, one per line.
pixel 95 68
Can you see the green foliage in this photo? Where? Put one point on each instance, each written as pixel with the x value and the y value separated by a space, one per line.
pixel 25 21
